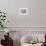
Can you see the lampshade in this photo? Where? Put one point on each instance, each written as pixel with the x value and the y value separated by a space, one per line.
pixel 7 30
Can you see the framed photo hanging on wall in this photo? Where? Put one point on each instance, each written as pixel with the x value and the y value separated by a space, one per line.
pixel 23 11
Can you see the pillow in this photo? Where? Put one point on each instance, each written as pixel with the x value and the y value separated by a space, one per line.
pixel 28 39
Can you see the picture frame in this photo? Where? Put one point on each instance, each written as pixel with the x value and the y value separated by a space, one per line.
pixel 23 11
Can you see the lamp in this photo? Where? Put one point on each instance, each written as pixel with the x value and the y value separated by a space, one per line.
pixel 7 31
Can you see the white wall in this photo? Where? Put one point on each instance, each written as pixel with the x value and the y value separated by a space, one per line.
pixel 35 19
pixel 11 7
pixel 38 13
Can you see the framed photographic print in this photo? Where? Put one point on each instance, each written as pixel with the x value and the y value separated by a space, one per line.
pixel 23 11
